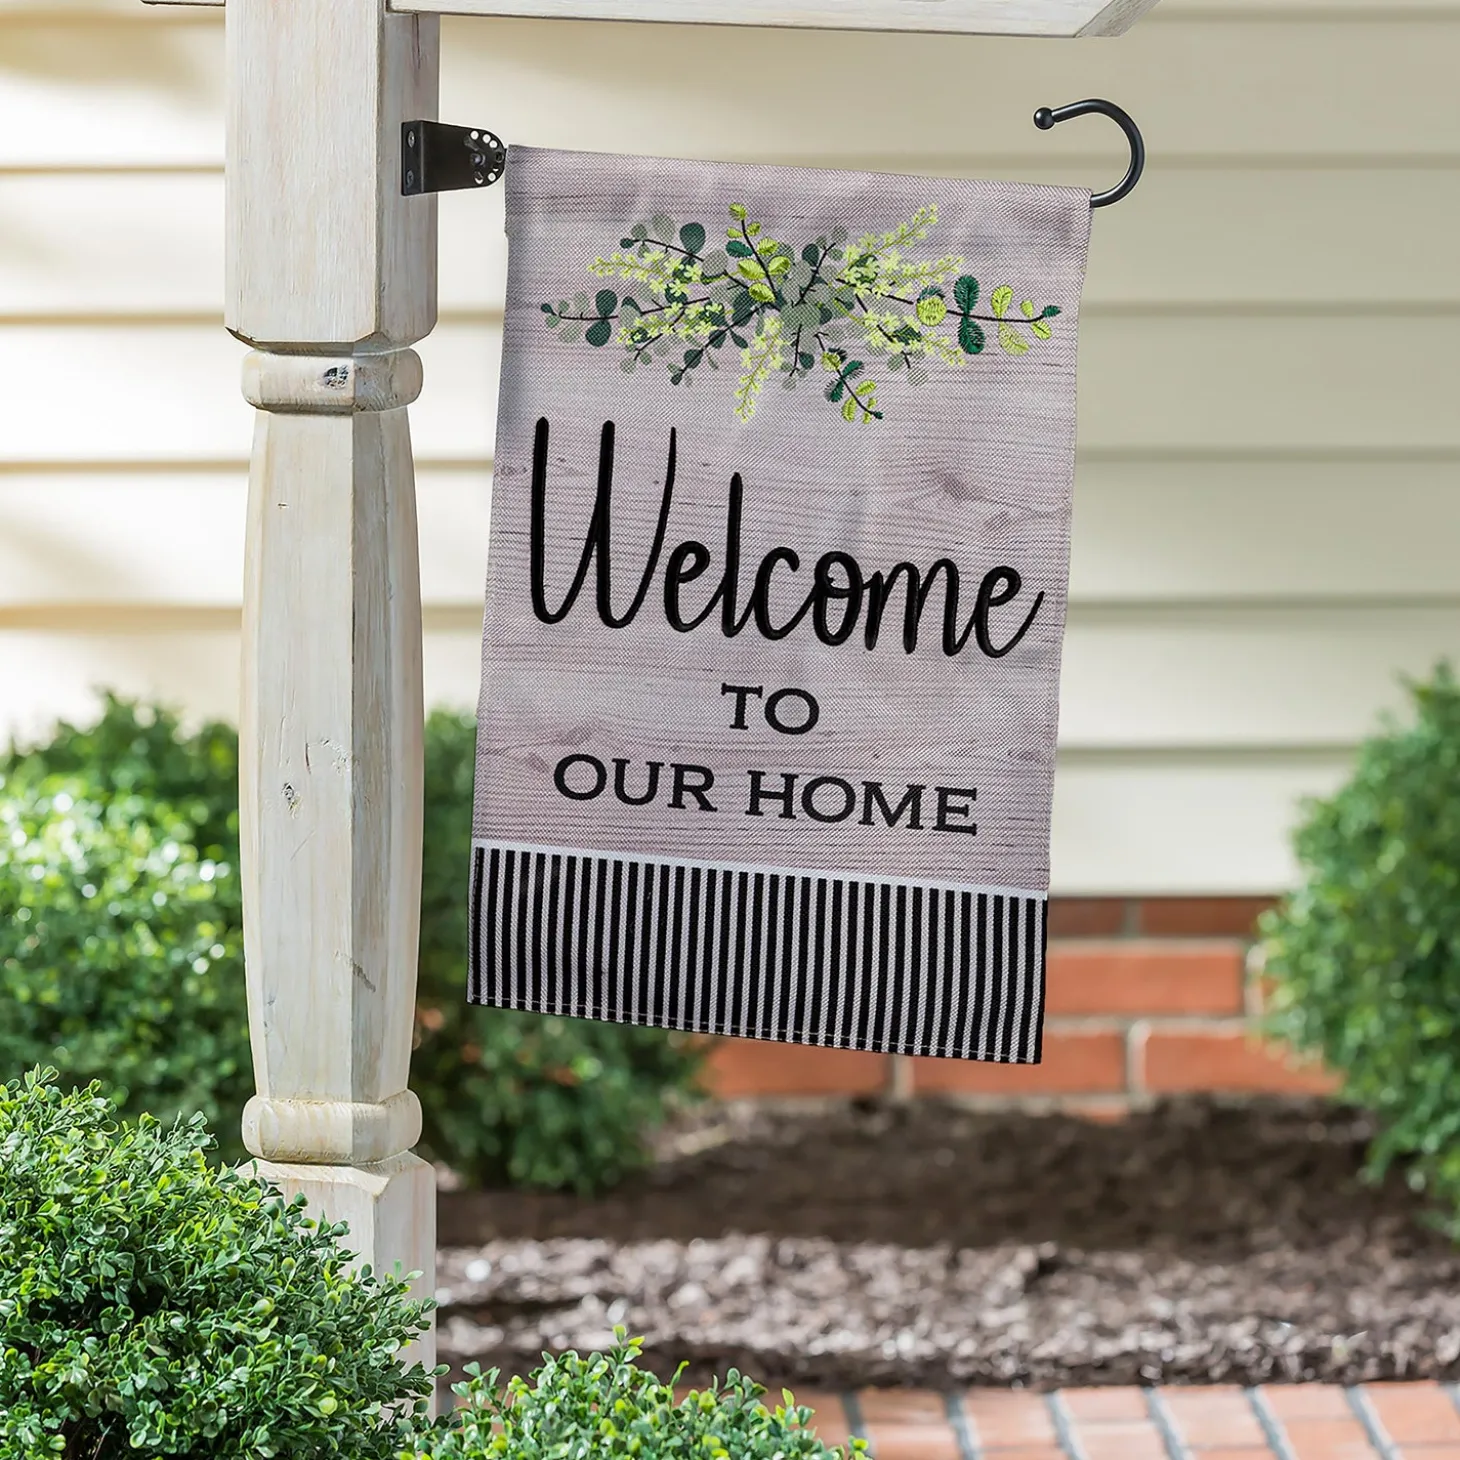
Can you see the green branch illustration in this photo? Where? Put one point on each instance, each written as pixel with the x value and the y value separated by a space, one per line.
pixel 826 309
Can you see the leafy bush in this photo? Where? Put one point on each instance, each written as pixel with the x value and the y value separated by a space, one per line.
pixel 1365 955
pixel 606 1406
pixel 154 1304
pixel 143 750
pixel 508 1097
pixel 121 953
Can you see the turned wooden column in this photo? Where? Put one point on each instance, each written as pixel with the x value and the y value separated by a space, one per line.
pixel 330 278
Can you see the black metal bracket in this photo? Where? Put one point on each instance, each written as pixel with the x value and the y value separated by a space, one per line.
pixel 438 158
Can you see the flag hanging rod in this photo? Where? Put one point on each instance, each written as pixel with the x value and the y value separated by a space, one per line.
pixel 437 157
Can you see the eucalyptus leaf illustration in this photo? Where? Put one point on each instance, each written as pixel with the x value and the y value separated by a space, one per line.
pixel 826 306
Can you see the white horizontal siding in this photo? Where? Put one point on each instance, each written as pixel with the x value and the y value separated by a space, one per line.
pixel 1269 485
pixel 1167 250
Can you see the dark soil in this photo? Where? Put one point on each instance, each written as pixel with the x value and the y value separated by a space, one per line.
pixel 1197 1242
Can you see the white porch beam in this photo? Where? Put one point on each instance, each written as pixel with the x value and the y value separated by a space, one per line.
pixel 963 17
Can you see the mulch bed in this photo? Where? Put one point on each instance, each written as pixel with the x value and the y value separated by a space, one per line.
pixel 923 1244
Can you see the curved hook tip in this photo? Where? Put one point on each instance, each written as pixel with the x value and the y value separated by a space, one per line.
pixel 1047 117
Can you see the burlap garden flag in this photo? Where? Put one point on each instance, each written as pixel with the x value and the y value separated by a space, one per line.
pixel 775 602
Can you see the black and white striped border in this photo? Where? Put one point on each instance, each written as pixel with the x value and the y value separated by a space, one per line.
pixel 852 962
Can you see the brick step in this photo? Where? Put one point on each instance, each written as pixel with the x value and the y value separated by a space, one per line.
pixel 1378 1421
pixel 1126 1019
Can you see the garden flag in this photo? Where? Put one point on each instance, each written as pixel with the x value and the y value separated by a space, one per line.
pixel 775 602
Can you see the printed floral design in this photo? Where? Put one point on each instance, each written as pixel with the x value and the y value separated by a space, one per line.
pixel 822 310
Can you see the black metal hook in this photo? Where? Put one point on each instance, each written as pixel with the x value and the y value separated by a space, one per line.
pixel 1046 117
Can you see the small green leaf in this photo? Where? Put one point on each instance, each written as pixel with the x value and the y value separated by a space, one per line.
pixel 811 254
pixel 1012 340
pixel 737 210
pixel 692 236
pixel 1050 310
pixel 599 333
pixel 965 292
pixel 1027 308
pixel 970 336
pixel 738 250
pixel 693 357
pixel 849 408
pixel 1000 300
pixel 1041 329
pixel 805 360
pixel 605 301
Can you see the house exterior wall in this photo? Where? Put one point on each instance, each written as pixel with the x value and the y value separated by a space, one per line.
pixel 1268 494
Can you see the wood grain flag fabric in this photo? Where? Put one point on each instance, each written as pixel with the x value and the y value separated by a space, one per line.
pixel 775 602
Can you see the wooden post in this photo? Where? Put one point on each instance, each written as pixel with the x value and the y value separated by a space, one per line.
pixel 330 277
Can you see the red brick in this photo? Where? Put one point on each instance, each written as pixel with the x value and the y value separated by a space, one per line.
pixel 1075 1063
pixel 1088 917
pixel 1200 917
pixel 1415 1414
pixel 1210 1416
pixel 746 1067
pixel 1144 978
pixel 1011 1419
pixel 1328 1439
pixel 1239 1452
pixel 913 1442
pixel 1121 1440
pixel 1103 1405
pixel 1026 1452
pixel 1169 1061
pixel 903 1407
pixel 1307 1401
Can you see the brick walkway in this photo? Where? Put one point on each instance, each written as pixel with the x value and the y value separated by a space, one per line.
pixel 1279 1422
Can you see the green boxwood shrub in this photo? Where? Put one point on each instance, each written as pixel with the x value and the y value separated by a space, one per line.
pixel 605 1405
pixel 121 953
pixel 153 1303
pixel 150 824
pixel 1364 957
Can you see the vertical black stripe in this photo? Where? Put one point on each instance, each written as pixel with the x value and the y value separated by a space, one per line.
pixel 602 935
pixel 1031 1045
pixel 822 934
pixel 502 981
pixel 474 925
pixel 795 1010
pixel 534 953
